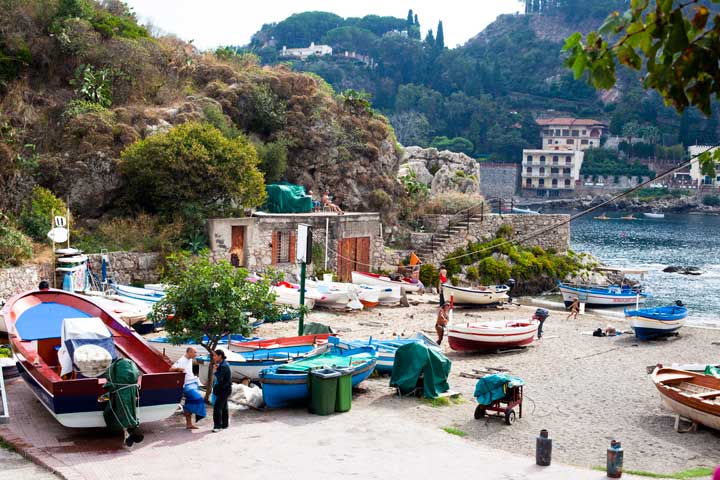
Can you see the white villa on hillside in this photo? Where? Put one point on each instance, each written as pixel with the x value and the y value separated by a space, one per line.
pixel 551 173
pixel 695 175
pixel 303 53
pixel 570 133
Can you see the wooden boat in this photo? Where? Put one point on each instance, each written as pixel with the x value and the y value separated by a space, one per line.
pixel 691 395
pixel 656 322
pixel 373 279
pixel 602 217
pixel 175 351
pixel 491 335
pixel 385 348
pixel 137 293
pixel 131 313
pixel 35 320
pixel 268 343
pixel 653 215
pixel 288 384
pixel 628 217
pixel 603 296
pixel 471 296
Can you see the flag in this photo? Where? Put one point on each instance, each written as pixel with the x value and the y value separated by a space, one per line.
pixel 414 260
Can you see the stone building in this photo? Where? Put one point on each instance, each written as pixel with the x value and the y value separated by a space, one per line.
pixel 343 243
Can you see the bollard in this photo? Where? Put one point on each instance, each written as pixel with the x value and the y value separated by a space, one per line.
pixel 614 460
pixel 543 449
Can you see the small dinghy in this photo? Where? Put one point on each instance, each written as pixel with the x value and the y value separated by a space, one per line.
pixel 690 395
pixel 656 322
pixel 491 335
pixel 653 215
pixel 475 296
pixel 137 293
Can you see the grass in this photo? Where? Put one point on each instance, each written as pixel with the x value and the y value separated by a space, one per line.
pixel 455 431
pixel 6 445
pixel 444 401
pixel 691 473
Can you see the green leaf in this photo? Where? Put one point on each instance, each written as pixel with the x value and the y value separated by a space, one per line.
pixel 572 41
pixel 678 39
pixel 579 65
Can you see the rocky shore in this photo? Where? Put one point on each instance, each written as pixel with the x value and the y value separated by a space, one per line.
pixel 690 204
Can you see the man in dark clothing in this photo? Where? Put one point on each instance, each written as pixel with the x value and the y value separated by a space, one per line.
pixel 222 390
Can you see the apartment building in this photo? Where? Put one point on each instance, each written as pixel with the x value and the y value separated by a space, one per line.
pixel 570 133
pixel 551 173
pixel 694 176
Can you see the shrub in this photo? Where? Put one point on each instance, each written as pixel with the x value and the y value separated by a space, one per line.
pixel 493 271
pixel 80 107
pixel 380 200
pixel 711 200
pixel 268 111
pixel 273 159
pixel 472 274
pixel 429 275
pixel 143 233
pixel 192 167
pixel 93 84
pixel 505 231
pixel 15 247
pixel 36 218
pixel 449 203
pixel 217 118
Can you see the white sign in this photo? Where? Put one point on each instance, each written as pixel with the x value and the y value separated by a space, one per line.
pixel 58 234
pixel 60 221
pixel 303 245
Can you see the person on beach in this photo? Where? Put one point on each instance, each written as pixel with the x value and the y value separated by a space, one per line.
pixel 574 308
pixel 442 279
pixel 415 279
pixel 325 199
pixel 194 401
pixel 443 318
pixel 221 390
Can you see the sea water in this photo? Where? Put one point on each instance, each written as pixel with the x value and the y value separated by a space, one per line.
pixel 653 244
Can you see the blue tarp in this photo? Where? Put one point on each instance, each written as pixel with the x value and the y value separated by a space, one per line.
pixel 494 387
pixel 45 320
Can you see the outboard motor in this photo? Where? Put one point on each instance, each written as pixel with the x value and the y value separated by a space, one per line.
pixel 510 283
pixel 679 303
pixel 541 314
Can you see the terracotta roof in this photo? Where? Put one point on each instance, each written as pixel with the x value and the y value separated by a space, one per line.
pixel 569 121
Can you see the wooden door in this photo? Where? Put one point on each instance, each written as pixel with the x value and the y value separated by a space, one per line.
pixel 237 245
pixel 353 254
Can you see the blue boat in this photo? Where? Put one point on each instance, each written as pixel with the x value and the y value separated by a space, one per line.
pixel 656 322
pixel 287 385
pixel 249 364
pixel 603 296
pixel 136 293
pixel 385 348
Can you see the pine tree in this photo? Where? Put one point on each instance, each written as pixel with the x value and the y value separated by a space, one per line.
pixel 429 38
pixel 440 37
pixel 417 22
pixel 410 21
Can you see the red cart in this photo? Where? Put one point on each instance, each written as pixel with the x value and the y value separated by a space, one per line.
pixel 503 407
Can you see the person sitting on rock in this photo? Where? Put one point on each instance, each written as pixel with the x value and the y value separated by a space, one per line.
pixel 329 204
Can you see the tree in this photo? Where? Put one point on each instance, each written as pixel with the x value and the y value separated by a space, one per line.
pixel 213 300
pixel 440 36
pixel 36 218
pixel 411 128
pixel 430 39
pixel 417 22
pixel 191 167
pixel 678 46
pixel 410 20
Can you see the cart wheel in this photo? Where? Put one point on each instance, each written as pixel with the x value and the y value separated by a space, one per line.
pixel 510 417
pixel 479 412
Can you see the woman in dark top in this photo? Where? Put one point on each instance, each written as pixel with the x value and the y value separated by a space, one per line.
pixel 222 390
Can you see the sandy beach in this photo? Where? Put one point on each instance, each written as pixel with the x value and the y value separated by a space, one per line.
pixel 584 390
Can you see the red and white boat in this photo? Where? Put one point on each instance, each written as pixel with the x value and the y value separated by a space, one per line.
pixel 491 335
pixel 375 280
pixel 269 343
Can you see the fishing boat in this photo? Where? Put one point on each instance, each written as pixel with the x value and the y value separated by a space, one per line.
pixel 653 215
pixel 176 350
pixel 474 296
pixel 690 395
pixel 38 322
pixel 656 322
pixel 385 348
pixel 607 295
pixel 287 385
pixel 269 343
pixel 137 293
pixel 131 313
pixel 287 294
pixel 373 279
pixel 602 217
pixel 628 217
pixel 491 335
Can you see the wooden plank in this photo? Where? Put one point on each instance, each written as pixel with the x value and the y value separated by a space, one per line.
pixel 275 247
pixel 293 239
pixel 363 254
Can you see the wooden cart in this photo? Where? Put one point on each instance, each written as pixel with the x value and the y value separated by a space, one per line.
pixel 504 407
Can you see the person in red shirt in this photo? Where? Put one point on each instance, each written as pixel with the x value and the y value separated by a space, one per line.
pixel 442 280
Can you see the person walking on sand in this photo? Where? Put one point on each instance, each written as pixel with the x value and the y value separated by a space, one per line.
pixel 442 279
pixel 443 318
pixel 194 401
pixel 221 390
pixel 574 308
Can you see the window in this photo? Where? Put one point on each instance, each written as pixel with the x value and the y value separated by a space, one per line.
pixel 554 182
pixel 283 247
pixel 528 182
pixel 584 132
pixel 567 182
pixel 576 133
pixel 542 170
pixel 567 171
pixel 584 141
pixel 529 159
pixel 558 132
pixel 542 158
pixel 554 170
pixel 528 170
pixel 541 182
pixel 555 159
pixel 566 133
pixel 570 141
pixel 568 159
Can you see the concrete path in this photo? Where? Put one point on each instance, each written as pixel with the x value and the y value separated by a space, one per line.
pixel 369 442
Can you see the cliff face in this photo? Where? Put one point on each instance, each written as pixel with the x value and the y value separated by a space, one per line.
pixel 51 135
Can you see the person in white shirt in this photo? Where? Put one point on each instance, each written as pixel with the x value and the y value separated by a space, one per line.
pixel 194 401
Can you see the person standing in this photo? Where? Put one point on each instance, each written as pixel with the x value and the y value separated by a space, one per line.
pixel 221 390
pixel 194 402
pixel 574 308
pixel 442 279
pixel 443 318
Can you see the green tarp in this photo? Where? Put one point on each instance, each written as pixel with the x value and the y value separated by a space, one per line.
pixel 314 328
pixel 494 387
pixel 122 385
pixel 415 359
pixel 287 198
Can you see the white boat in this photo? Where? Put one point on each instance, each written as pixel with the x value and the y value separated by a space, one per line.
pixel 291 296
pixel 137 293
pixel 525 210
pixel 471 296
pixel 373 279
pixel 653 215
pixel 157 287
pixel 337 295
pixel 491 335
pixel 129 312
pixel 603 296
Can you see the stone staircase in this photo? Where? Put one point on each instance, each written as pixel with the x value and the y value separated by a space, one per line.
pixel 457 227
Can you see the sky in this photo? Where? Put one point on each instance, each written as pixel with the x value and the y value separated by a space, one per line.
pixel 212 23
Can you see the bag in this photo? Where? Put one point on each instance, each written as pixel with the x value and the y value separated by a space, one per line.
pixel 599 333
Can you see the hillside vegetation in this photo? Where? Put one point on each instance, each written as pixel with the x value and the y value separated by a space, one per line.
pixel 91 105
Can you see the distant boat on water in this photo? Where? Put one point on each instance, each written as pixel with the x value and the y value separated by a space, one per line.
pixel 653 215
pixel 602 217
pixel 628 217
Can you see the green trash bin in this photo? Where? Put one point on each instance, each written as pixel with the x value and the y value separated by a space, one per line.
pixel 343 400
pixel 323 390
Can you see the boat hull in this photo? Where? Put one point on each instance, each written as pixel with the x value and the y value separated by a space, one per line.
pixel 651 323
pixel 491 335
pixel 469 296
pixel 682 393
pixel 601 297
pixel 364 278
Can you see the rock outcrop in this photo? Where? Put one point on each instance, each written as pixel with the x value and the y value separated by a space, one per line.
pixel 443 171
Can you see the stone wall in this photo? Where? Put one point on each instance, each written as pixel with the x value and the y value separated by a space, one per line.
pixel 130 267
pixel 19 279
pixel 557 239
pixel 499 180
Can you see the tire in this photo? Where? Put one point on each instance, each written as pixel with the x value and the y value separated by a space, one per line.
pixel 479 412
pixel 510 417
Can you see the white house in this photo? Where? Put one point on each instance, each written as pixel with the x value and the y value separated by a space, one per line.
pixel 303 53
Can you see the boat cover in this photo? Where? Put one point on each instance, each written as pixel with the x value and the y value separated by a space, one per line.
pixel 314 328
pixel 77 332
pixel 414 360
pixel 287 198
pixel 45 320
pixel 494 387
pixel 122 386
